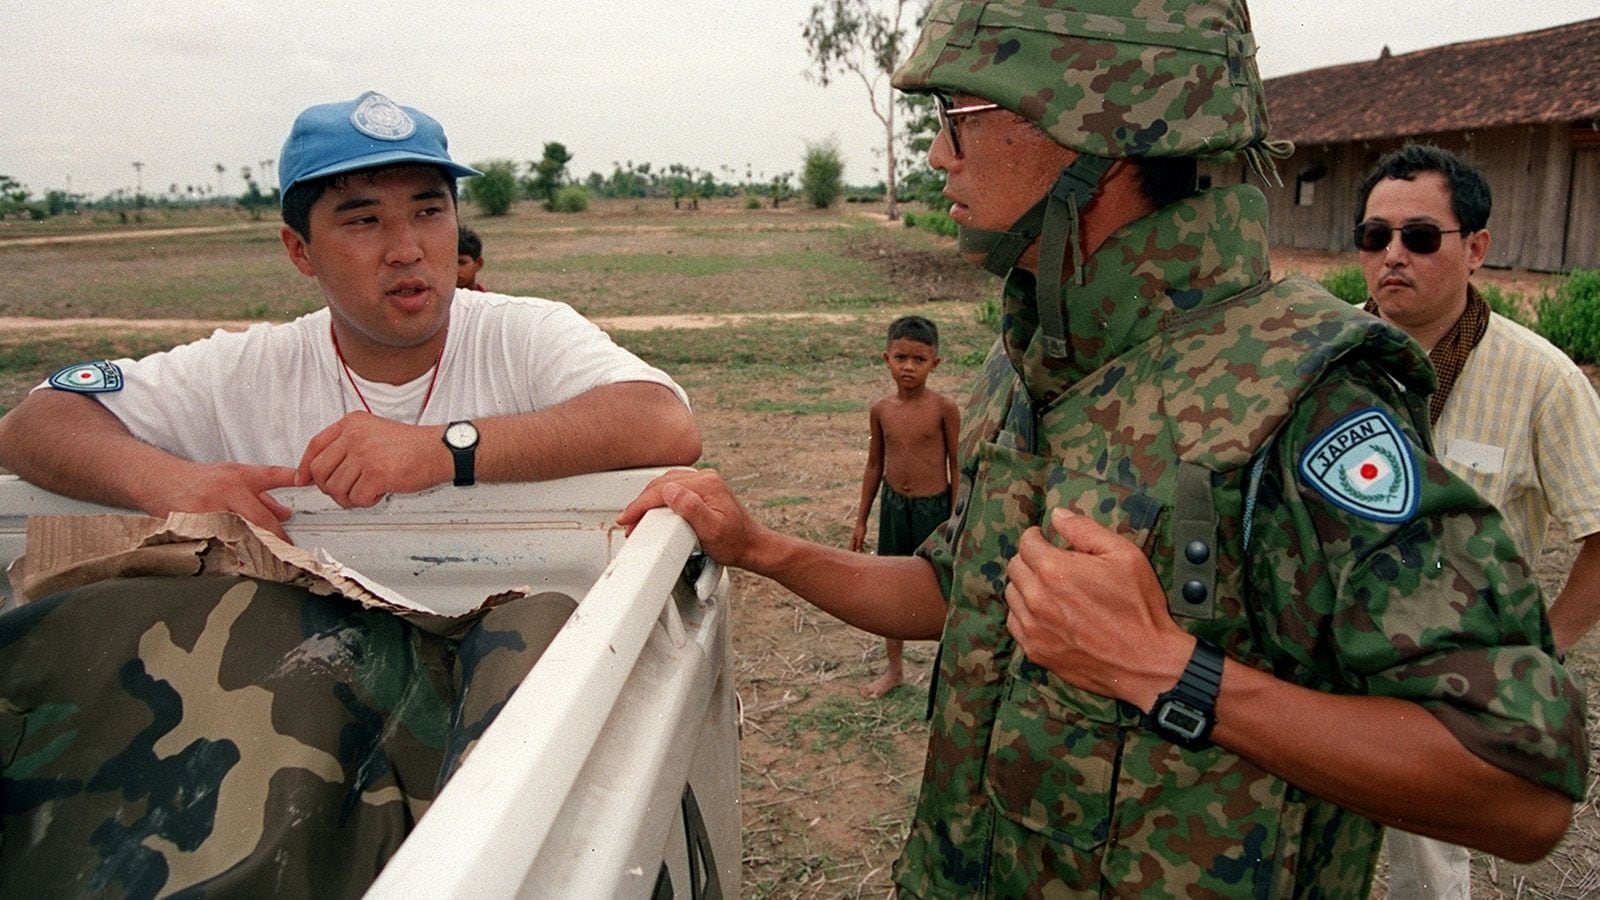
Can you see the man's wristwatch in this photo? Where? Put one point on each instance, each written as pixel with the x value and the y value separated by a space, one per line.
pixel 462 439
pixel 1185 714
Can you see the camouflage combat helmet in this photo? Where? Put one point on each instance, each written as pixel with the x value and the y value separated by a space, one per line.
pixel 1107 78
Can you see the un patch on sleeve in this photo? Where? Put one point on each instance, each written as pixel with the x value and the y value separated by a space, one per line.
pixel 1364 464
pixel 100 377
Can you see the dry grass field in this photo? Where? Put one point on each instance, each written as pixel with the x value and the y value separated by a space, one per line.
pixel 790 306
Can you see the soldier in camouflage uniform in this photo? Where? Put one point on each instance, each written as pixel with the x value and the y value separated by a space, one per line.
pixel 1207 601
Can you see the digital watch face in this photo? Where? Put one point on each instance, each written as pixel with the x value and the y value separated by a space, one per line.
pixel 1181 720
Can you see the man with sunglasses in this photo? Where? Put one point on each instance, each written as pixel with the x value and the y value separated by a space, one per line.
pixel 1513 416
pixel 1270 632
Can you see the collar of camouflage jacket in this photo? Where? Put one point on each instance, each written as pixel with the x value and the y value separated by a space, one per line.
pixel 1180 258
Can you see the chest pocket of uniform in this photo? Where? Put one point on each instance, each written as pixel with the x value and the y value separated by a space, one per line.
pixel 1012 491
pixel 1053 752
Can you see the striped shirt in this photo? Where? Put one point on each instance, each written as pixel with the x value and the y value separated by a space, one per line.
pixel 1522 426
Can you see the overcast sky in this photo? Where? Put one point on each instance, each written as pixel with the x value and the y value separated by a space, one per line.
pixel 87 87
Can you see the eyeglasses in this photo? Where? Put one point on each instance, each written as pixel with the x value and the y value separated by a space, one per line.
pixel 1418 237
pixel 948 115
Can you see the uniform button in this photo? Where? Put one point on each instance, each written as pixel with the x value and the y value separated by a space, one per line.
pixel 1197 552
pixel 1194 592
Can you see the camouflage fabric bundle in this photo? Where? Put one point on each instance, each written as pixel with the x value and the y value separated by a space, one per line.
pixel 228 736
pixel 1185 362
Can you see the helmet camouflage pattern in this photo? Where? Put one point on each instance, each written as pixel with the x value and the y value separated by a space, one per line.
pixel 1104 77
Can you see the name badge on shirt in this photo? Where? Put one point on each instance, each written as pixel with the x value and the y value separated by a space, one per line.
pixel 1485 458
pixel 100 377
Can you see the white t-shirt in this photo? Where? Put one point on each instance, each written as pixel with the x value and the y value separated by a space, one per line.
pixel 259 396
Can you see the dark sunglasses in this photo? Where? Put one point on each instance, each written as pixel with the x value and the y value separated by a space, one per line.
pixel 948 115
pixel 1418 237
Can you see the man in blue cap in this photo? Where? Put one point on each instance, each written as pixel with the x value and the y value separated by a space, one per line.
pixel 211 735
pixel 395 386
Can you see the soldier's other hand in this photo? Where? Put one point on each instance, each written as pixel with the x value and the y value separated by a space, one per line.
pixel 706 502
pixel 1095 615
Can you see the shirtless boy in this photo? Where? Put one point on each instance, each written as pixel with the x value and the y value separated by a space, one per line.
pixel 911 460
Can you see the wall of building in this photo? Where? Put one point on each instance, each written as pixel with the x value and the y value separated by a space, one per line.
pixel 1546 214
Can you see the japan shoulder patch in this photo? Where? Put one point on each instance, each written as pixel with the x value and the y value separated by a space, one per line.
pixel 1363 464
pixel 101 377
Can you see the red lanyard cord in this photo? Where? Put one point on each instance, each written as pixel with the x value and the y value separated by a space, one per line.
pixel 357 388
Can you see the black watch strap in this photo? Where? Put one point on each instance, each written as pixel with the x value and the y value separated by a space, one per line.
pixel 1186 714
pixel 466 460
pixel 465 455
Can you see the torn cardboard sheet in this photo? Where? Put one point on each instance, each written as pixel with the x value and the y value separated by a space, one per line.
pixel 71 551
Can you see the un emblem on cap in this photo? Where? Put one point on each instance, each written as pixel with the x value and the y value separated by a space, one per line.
pixel 378 116
pixel 1364 465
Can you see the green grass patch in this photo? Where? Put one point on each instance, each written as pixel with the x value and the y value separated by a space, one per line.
pixel 1570 316
pixel 791 349
pixel 853 301
pixel 871 725
pixel 1506 303
pixel 1347 283
pixel 794 500
pixel 691 265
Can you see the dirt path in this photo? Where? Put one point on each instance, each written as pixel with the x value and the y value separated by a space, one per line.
pixel 131 234
pixel 55 327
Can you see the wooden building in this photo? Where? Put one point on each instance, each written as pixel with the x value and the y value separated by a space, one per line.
pixel 1525 108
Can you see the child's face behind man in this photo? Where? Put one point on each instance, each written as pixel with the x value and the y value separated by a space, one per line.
pixel 910 363
pixel 467 269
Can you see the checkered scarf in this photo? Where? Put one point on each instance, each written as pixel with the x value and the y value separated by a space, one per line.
pixel 1449 356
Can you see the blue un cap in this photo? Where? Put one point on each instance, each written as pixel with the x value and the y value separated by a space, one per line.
pixel 364 133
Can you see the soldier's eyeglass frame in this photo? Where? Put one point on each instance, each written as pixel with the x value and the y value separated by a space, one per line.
pixel 1418 237
pixel 948 115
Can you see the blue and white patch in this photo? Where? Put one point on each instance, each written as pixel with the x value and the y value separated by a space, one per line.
pixel 378 116
pixel 1364 465
pixel 100 377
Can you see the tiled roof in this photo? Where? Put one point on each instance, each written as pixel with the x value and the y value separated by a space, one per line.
pixel 1551 75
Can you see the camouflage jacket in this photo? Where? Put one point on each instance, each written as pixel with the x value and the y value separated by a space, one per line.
pixel 1285 431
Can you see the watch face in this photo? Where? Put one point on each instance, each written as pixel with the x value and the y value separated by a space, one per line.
pixel 1181 719
pixel 461 435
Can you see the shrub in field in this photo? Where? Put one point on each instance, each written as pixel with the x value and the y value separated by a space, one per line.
pixel 494 190
pixel 1347 283
pixel 1570 317
pixel 822 175
pixel 936 222
pixel 751 201
pixel 989 313
pixel 1506 303
pixel 570 198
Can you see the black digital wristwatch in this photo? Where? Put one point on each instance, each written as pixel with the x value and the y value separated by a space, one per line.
pixel 1186 714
